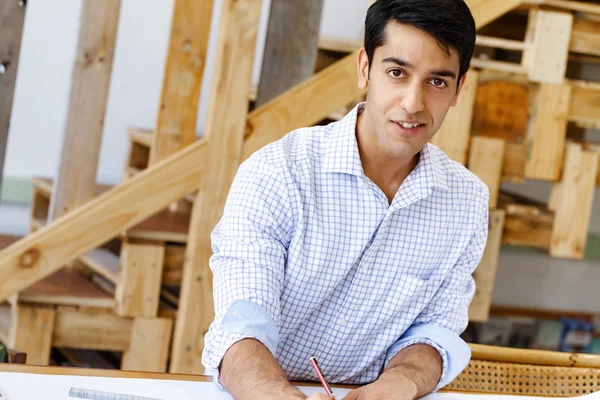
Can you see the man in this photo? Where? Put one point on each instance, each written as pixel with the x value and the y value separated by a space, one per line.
pixel 355 242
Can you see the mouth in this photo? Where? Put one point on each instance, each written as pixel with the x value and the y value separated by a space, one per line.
pixel 409 128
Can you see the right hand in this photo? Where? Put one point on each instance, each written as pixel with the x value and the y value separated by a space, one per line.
pixel 319 396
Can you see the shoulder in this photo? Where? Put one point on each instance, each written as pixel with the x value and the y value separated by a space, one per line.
pixel 461 181
pixel 298 146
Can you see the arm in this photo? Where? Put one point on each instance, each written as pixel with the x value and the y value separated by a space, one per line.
pixel 431 353
pixel 249 250
pixel 249 371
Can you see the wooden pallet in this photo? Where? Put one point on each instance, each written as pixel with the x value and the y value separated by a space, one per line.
pixel 67 310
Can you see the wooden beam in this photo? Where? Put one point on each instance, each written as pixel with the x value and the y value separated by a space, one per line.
pixel 31 333
pixel 585 104
pixel 485 160
pixel 12 16
pixel 289 59
pixel 568 5
pixel 574 203
pixel 76 181
pixel 182 82
pixel 547 61
pixel 485 273
pixel 149 345
pixel 527 226
pixel 513 166
pixel 91 330
pixel 138 287
pixel 116 210
pixel 501 110
pixel 225 127
pixel 546 140
pixel 585 37
pixel 455 133
pixel 486 11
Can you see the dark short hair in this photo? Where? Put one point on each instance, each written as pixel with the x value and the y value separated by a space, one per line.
pixel 450 22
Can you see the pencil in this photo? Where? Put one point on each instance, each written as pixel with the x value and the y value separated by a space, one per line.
pixel 319 373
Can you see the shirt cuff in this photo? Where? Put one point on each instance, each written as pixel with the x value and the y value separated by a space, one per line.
pixel 454 351
pixel 243 320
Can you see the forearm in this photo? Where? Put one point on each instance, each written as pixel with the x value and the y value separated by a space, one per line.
pixel 249 371
pixel 418 366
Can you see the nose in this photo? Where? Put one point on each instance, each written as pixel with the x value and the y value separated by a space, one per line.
pixel 412 101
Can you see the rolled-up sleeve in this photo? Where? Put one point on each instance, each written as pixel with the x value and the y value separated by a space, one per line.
pixel 249 251
pixel 447 315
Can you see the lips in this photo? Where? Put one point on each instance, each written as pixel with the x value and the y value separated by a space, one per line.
pixel 409 127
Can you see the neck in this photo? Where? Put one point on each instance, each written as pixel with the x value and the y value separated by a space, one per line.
pixel 384 169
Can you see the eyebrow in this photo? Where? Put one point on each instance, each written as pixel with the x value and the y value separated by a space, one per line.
pixel 438 72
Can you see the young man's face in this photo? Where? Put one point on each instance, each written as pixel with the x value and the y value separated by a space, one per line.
pixel 411 81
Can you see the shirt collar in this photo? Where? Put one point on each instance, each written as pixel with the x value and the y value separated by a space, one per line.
pixel 342 156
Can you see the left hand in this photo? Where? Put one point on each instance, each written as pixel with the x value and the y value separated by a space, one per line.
pixel 387 387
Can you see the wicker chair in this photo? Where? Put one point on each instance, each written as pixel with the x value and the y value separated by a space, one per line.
pixel 528 372
pixel 11 356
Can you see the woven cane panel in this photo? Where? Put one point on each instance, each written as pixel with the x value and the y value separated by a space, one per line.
pixel 523 379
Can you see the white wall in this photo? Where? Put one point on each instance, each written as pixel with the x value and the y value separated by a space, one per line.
pixel 41 100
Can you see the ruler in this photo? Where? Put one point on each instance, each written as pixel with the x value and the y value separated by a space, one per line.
pixel 98 395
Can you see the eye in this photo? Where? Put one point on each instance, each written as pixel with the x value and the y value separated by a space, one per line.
pixel 396 73
pixel 440 83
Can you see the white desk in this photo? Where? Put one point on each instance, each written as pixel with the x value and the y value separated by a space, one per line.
pixel 24 382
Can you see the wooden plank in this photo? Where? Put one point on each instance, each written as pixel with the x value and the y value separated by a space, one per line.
pixel 585 104
pixel 67 287
pixel 487 11
pixel 225 127
pixel 87 105
pixel 149 345
pixel 91 330
pixel 528 226
pixel 166 225
pixel 31 333
pixel 501 66
pixel 138 287
pixel 182 82
pixel 569 5
pixel 173 268
pixel 513 166
pixel 140 136
pixel 574 206
pixel 485 273
pixel 289 59
pixel 12 17
pixel 455 133
pixel 546 141
pixel 547 62
pixel 115 211
pixel 485 160
pixel 501 110
pixel 585 37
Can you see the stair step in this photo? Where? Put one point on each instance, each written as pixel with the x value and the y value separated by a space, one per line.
pixel 104 263
pixel 67 287
pixel 165 226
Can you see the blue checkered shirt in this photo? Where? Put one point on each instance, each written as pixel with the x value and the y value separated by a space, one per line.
pixel 311 259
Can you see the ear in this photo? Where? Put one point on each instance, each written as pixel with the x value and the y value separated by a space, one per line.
pixel 460 86
pixel 363 69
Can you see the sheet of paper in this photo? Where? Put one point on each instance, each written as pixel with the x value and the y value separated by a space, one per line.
pixel 19 386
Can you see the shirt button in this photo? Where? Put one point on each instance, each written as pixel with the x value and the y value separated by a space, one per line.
pixel 343 322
